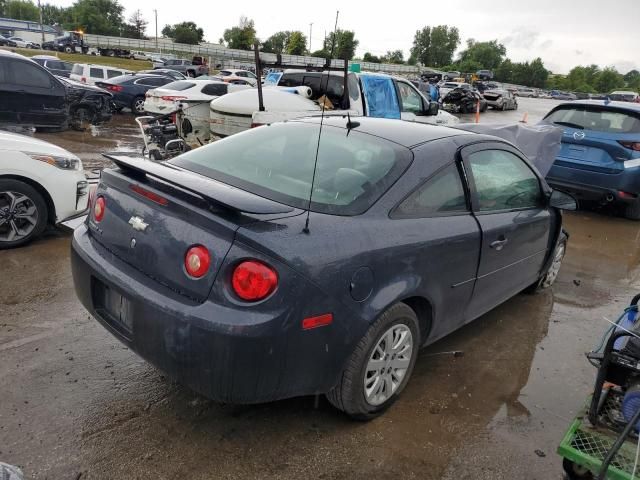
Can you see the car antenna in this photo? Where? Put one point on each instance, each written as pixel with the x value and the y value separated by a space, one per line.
pixel 324 103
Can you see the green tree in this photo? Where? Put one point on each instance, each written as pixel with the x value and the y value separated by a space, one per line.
pixel 488 55
pixel 395 56
pixel 434 46
pixel 370 58
pixel 242 36
pixel 276 42
pixel 184 32
pixel 21 10
pixel 138 24
pixel 342 43
pixel 293 43
pixel 296 43
pixel 537 74
pixel 504 73
pixel 54 15
pixel 607 80
pixel 100 17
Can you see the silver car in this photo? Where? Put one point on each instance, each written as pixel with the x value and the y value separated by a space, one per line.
pixel 501 99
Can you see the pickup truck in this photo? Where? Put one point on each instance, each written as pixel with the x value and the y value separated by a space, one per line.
pixel 187 67
pixel 371 95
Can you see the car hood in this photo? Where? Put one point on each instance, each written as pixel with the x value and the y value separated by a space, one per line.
pixel 25 143
pixel 246 102
pixel 77 86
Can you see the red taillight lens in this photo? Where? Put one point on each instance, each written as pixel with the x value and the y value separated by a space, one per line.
pixel 197 261
pixel 632 145
pixel 253 280
pixel 254 125
pixel 154 197
pixel 115 88
pixel 99 207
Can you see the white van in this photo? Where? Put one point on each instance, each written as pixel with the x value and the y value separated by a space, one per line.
pixel 90 74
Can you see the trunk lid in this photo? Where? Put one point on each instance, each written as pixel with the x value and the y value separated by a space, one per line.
pixel 155 213
pixel 594 151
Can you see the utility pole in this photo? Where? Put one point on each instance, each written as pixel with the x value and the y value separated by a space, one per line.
pixel 310 30
pixel 41 24
pixel 156 12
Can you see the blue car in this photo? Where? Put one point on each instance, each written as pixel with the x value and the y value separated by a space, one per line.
pixel 600 155
pixel 251 272
pixel 129 90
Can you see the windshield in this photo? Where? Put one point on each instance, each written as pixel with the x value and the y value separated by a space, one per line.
pixel 596 118
pixel 277 162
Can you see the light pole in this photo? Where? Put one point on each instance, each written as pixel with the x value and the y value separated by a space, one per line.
pixel 156 12
pixel 310 30
pixel 41 24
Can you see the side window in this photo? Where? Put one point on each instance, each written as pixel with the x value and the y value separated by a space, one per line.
pixel 112 73
pixel 241 74
pixel 440 195
pixel 290 80
pixel 409 97
pixel 503 181
pixel 96 73
pixel 27 74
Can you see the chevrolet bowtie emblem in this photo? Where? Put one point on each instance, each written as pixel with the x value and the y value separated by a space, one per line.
pixel 138 223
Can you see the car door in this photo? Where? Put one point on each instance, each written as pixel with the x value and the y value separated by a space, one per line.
pixel 441 240
pixel 8 101
pixel 412 104
pixel 510 207
pixel 41 98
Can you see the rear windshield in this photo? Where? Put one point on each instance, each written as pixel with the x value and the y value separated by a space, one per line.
pixel 277 162
pixel 179 86
pixel 595 118
pixel 451 85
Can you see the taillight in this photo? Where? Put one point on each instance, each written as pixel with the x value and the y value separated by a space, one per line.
pixel 254 125
pixel 632 145
pixel 253 280
pixel 154 197
pixel 197 261
pixel 99 207
pixel 114 88
pixel 83 80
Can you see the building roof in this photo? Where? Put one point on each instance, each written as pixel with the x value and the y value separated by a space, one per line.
pixel 25 25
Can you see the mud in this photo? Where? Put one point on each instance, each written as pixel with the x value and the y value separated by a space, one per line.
pixel 74 401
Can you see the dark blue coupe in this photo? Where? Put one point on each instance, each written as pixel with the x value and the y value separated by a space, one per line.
pixel 208 267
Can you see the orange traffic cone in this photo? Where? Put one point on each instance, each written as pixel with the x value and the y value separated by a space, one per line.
pixel 478 111
pixel 525 117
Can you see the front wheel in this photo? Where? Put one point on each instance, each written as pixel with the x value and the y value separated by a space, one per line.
pixel 575 471
pixel 380 366
pixel 550 276
pixel 23 213
pixel 68 50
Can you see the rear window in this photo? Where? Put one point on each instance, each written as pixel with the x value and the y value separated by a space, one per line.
pixel 215 89
pixel 179 86
pixel 277 162
pixel 77 69
pixel 599 119
pixel 96 73
pixel 114 73
pixel 451 85
pixel 224 73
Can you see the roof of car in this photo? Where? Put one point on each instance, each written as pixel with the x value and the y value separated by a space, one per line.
pixel 45 57
pixel 603 103
pixel 9 53
pixel 408 134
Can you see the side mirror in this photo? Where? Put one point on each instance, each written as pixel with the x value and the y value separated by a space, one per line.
pixel 432 109
pixel 562 200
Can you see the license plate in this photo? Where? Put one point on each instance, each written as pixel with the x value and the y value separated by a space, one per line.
pixel 113 307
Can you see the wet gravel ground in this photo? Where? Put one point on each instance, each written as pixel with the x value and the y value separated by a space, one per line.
pixel 75 403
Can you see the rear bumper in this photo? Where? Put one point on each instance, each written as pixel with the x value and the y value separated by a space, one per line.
pixel 231 355
pixel 590 185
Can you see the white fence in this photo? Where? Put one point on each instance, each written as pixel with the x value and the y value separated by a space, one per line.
pixel 223 55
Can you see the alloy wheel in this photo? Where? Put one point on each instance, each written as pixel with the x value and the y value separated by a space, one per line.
pixel 388 364
pixel 138 105
pixel 18 216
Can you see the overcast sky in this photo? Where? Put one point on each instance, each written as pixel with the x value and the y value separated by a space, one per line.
pixel 564 33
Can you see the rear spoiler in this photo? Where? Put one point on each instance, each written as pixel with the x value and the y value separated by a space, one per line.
pixel 211 190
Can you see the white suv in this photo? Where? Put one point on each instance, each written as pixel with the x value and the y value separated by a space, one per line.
pixel 40 184
pixel 138 55
pixel 90 74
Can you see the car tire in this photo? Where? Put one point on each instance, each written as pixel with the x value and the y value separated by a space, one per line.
pixel 68 50
pixel 632 211
pixel 137 106
pixel 575 471
pixel 351 395
pixel 20 230
pixel 504 107
pixel 551 274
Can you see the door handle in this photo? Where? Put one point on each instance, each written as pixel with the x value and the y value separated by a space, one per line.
pixel 499 244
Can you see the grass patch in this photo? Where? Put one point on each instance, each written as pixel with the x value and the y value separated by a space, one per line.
pixel 81 58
